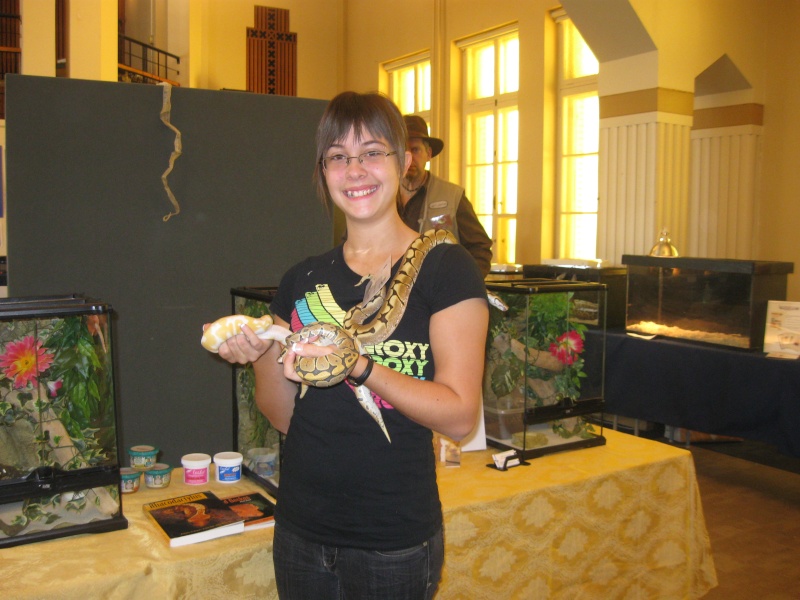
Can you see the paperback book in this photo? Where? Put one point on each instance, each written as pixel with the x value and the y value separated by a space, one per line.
pixel 256 509
pixel 194 518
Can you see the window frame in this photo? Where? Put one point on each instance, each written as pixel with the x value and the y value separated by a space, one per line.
pixel 563 242
pixel 504 249
pixel 415 61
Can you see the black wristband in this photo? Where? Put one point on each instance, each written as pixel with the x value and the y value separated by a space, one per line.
pixel 362 379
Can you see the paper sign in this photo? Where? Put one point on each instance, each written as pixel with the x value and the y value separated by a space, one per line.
pixel 782 330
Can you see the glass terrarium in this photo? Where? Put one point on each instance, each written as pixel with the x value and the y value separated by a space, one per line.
pixel 716 301
pixel 543 380
pixel 59 459
pixel 257 440
pixel 614 278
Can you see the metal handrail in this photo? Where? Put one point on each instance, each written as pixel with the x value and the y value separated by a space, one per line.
pixel 149 65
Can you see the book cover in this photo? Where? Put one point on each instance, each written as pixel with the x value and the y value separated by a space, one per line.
pixel 256 509
pixel 194 518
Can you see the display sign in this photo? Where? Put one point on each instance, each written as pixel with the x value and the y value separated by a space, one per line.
pixel 782 331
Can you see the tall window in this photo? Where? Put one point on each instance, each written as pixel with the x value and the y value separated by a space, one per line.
pixel 410 84
pixel 577 144
pixel 491 134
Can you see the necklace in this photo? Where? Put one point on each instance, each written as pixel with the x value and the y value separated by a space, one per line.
pixel 412 190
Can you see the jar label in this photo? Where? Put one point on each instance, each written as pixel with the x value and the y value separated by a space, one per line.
pixel 229 474
pixel 195 476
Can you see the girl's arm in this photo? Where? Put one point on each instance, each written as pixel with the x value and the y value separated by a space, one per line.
pixel 449 404
pixel 274 394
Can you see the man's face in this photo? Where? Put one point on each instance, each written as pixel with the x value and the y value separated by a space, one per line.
pixel 420 155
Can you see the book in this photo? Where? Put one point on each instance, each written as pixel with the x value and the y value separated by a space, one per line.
pixel 194 518
pixel 256 509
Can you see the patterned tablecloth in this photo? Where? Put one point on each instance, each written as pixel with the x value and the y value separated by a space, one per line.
pixel 622 520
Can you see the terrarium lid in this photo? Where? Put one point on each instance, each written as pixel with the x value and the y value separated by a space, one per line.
pixel 664 246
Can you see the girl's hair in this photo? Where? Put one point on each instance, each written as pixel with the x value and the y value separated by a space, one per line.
pixel 370 113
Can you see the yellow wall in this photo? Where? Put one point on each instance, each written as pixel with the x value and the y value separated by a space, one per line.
pixel 342 43
pixel 778 220
pixel 689 35
pixel 319 43
pixel 759 37
pixel 391 34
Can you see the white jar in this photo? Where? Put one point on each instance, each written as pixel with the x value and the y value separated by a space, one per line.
pixel 195 468
pixel 228 467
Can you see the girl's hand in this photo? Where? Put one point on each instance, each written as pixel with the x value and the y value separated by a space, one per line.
pixel 244 348
pixel 298 350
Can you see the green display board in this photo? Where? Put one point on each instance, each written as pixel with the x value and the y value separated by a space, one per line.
pixel 86 207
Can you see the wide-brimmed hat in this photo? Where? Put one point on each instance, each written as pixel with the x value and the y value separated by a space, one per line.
pixel 417 128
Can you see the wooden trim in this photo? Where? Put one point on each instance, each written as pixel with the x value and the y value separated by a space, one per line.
pixel 644 101
pixel 122 67
pixel 729 116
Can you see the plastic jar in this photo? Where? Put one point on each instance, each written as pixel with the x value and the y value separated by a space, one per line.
pixel 159 476
pixel 228 467
pixel 263 461
pixel 143 457
pixel 129 478
pixel 195 468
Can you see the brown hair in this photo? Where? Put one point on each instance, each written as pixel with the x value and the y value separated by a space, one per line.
pixel 372 113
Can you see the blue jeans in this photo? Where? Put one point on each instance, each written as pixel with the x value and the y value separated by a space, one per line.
pixel 305 570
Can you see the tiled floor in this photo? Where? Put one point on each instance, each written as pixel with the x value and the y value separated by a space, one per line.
pixel 752 513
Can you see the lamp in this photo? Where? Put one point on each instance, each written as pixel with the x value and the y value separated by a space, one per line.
pixel 664 245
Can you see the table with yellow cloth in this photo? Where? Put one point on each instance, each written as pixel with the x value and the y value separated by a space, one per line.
pixel 622 520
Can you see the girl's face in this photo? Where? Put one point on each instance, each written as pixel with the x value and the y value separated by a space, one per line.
pixel 363 188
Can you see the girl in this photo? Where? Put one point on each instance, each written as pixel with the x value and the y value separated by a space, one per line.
pixel 359 516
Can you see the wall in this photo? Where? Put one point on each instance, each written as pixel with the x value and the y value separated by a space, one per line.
pixel 218 30
pixel 779 216
pixel 343 42
pixel 410 29
pixel 689 35
pixel 759 39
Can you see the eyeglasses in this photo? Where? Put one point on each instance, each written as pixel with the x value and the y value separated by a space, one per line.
pixel 339 162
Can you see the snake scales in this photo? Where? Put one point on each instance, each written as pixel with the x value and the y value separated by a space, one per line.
pixel 368 323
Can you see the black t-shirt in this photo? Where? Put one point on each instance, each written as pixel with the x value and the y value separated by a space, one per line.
pixel 342 482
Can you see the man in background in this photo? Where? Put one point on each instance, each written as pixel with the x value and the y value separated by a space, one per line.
pixel 430 202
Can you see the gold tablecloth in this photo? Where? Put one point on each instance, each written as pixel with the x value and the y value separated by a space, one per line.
pixel 139 563
pixel 622 520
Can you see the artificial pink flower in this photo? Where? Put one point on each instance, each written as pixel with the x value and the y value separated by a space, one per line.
pixel 53 387
pixel 567 347
pixel 24 361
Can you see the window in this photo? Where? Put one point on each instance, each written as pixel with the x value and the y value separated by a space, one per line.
pixel 577 144
pixel 491 130
pixel 410 85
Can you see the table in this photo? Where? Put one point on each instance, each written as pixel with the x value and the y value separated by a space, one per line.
pixel 138 562
pixel 704 388
pixel 620 520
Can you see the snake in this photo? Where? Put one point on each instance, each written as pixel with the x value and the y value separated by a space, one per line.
pixel 367 323
pixel 221 330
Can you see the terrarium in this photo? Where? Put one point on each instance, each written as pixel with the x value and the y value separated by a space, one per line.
pixel 716 301
pixel 614 278
pixel 59 459
pixel 543 380
pixel 256 439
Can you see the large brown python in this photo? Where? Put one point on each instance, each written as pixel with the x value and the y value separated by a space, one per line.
pixel 386 308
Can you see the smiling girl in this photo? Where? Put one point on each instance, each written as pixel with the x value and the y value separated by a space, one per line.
pixel 359 516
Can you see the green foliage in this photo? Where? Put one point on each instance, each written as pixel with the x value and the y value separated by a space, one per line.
pixel 85 401
pixel 253 425
pixel 536 321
